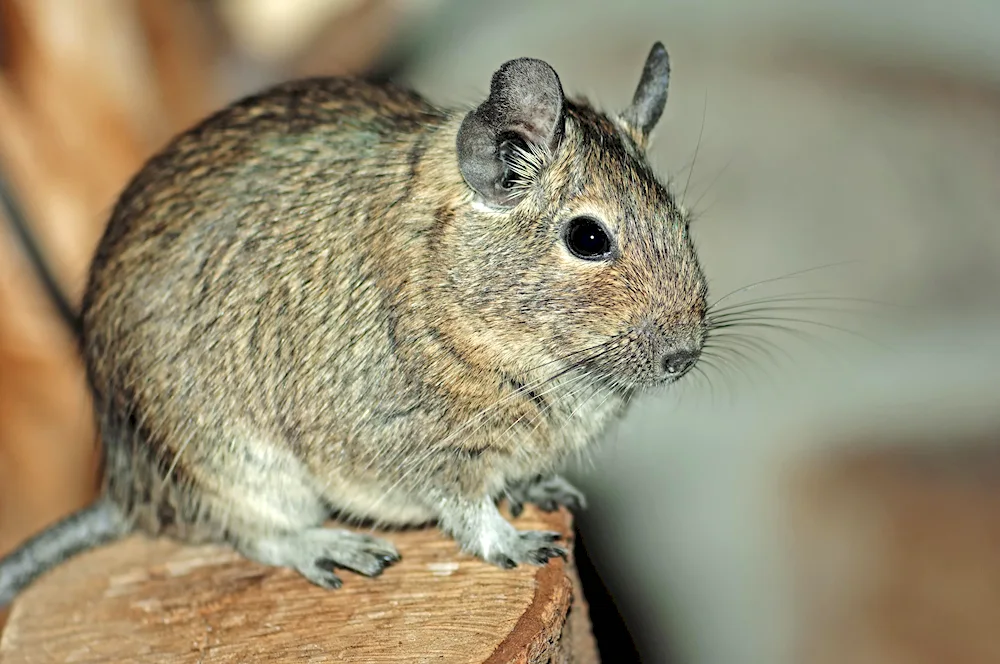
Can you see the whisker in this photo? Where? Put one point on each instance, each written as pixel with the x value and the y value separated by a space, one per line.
pixel 766 322
pixel 722 337
pixel 585 381
pixel 804 308
pixel 700 373
pixel 571 354
pixel 586 452
pixel 697 149
pixel 807 336
pixel 750 342
pixel 709 357
pixel 711 184
pixel 706 361
pixel 593 383
pixel 805 296
pixel 730 394
pixel 548 404
pixel 783 277
pixel 586 384
pixel 524 390
pixel 732 364
pixel 741 355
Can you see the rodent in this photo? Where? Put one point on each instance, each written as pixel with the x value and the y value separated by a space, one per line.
pixel 334 298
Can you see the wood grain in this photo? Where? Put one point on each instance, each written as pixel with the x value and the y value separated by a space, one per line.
pixel 158 601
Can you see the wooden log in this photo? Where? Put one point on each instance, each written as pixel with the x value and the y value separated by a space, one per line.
pixel 157 601
pixel 182 50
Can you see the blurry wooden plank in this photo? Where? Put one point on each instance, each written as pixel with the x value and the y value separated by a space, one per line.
pixel 276 31
pixel 26 161
pixel 143 601
pixel 46 433
pixel 353 42
pixel 81 83
pixel 183 53
pixel 896 555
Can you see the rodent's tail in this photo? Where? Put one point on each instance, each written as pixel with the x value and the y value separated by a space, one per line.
pixel 92 526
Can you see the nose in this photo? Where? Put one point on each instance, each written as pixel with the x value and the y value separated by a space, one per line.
pixel 677 363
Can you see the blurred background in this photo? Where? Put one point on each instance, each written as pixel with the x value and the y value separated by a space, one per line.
pixel 829 489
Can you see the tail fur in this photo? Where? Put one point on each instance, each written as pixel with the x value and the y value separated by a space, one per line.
pixel 92 526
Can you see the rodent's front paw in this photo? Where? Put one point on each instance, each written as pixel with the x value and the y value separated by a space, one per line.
pixel 547 492
pixel 536 547
pixel 480 529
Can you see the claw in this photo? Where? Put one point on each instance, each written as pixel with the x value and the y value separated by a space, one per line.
pixel 326 564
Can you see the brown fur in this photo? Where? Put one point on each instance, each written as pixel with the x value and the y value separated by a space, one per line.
pixel 300 307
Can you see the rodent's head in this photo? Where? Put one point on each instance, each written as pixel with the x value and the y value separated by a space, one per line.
pixel 570 250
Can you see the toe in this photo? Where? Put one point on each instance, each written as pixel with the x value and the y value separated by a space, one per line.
pixel 387 558
pixel 322 574
pixel 544 554
pixel 548 505
pixel 505 562
pixel 540 536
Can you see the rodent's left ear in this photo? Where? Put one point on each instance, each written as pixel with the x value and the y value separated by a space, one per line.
pixel 650 96
pixel 501 142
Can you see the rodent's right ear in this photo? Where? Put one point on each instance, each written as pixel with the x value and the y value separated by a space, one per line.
pixel 503 142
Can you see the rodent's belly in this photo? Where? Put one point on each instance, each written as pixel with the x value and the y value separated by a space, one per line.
pixel 388 507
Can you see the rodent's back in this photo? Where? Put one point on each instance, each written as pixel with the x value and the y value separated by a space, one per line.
pixel 256 247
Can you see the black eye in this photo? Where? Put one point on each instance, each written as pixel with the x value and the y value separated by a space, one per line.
pixel 587 239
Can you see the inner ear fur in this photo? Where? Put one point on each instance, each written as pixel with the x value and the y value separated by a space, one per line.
pixel 524 115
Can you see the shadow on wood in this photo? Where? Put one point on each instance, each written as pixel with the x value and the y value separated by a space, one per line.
pixel 157 601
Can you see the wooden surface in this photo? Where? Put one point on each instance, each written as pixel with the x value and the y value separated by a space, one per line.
pixel 897 555
pixel 157 601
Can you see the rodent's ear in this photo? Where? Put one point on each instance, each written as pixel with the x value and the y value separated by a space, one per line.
pixel 503 142
pixel 650 96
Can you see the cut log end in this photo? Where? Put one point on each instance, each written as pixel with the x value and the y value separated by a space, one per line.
pixel 141 600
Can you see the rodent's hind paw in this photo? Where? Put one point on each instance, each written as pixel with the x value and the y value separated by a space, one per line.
pixel 535 547
pixel 317 552
pixel 547 492
pixel 361 553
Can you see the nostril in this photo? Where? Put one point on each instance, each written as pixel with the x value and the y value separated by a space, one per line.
pixel 678 362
